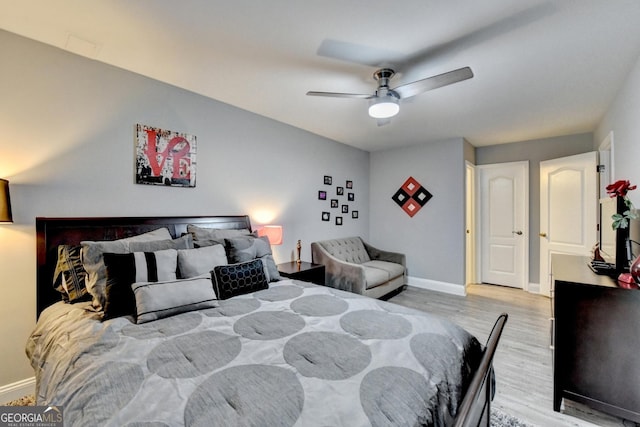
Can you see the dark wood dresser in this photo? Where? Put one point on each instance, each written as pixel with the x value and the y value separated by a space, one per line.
pixel 596 339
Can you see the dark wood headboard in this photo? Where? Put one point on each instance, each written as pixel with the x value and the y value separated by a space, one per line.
pixel 51 232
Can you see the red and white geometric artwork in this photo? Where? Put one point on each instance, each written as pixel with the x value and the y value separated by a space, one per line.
pixel 412 196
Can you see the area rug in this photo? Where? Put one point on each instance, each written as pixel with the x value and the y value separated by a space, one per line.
pixel 28 400
pixel 500 419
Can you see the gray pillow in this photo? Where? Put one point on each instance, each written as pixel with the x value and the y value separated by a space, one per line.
pixel 93 261
pixel 194 262
pixel 156 300
pixel 247 248
pixel 216 234
pixel 184 242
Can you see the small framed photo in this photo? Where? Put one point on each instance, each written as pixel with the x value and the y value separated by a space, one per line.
pixel 354 214
pixel 351 197
pixel 334 203
pixel 322 195
pixel 326 216
pixel 339 191
pixel 345 208
pixel 349 184
pixel 327 180
pixel 338 220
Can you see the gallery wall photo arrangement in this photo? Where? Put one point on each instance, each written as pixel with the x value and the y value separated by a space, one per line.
pixel 165 157
pixel 335 197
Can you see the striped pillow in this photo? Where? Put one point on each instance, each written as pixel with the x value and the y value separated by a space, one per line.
pixel 123 270
pixel 156 300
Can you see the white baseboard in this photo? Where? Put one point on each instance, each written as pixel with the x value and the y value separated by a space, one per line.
pixel 434 285
pixel 18 389
pixel 534 288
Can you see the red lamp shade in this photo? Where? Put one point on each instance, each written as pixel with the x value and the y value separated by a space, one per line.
pixel 5 202
pixel 273 233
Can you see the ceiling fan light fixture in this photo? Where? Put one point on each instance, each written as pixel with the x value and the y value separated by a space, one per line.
pixel 384 107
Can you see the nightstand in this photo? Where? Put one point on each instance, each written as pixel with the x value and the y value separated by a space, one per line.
pixel 305 271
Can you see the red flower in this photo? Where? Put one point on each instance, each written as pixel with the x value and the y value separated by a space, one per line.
pixel 620 188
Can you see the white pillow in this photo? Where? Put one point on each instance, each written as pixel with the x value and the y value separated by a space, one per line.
pixel 93 262
pixel 156 300
pixel 195 262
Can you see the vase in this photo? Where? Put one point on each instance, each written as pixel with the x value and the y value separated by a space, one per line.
pixel 622 235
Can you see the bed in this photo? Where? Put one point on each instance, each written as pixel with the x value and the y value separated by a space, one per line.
pixel 290 353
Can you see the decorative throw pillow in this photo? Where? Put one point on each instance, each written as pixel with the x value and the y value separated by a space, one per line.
pixel 216 234
pixel 238 279
pixel 195 262
pixel 93 262
pixel 123 270
pixel 70 276
pixel 156 300
pixel 246 248
pixel 184 242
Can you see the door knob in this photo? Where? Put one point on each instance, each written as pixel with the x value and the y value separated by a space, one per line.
pixel 543 234
pixel 519 233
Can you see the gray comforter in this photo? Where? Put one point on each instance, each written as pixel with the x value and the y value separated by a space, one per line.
pixel 295 354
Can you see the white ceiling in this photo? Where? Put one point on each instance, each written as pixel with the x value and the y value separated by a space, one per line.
pixel 542 68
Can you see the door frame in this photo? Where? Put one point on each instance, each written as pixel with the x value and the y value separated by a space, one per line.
pixel 480 199
pixel 605 158
pixel 471 242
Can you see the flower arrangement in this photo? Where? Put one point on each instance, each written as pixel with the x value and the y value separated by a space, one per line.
pixel 620 188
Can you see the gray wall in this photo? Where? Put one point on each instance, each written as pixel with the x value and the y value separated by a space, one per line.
pixel 67 148
pixel 535 151
pixel 622 119
pixel 433 240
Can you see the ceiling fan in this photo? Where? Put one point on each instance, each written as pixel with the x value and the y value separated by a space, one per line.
pixel 384 103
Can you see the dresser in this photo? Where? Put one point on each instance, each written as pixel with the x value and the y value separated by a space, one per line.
pixel 596 339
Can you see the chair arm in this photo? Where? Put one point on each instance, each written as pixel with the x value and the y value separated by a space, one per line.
pixel 381 255
pixel 339 274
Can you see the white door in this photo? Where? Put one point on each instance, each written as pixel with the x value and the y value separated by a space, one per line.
pixel 504 199
pixel 568 209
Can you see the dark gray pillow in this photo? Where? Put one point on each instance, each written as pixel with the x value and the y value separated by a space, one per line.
pixel 238 279
pixel 70 277
pixel 184 242
pixel 216 234
pixel 247 248
pixel 157 300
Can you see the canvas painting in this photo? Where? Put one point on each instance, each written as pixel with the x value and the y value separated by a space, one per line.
pixel 165 157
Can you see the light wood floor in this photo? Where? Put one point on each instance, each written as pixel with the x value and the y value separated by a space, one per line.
pixel 523 361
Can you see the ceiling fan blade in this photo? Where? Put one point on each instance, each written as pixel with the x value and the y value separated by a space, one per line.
pixel 434 82
pixel 340 95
